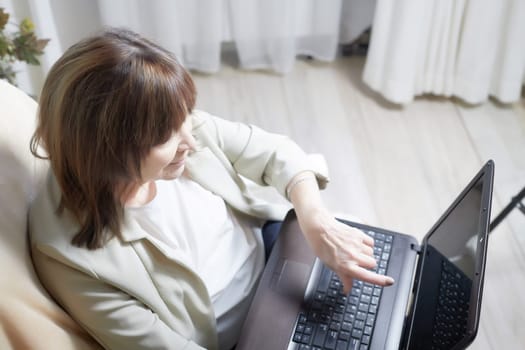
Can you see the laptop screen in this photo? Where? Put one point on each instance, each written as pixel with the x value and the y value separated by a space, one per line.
pixel 448 295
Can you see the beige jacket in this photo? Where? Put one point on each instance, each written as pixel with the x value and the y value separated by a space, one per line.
pixel 134 294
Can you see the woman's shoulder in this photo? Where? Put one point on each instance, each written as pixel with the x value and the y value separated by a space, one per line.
pixel 51 233
pixel 205 128
pixel 200 118
pixel 45 223
pixel 203 120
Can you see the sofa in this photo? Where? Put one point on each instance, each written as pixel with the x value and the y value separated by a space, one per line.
pixel 29 317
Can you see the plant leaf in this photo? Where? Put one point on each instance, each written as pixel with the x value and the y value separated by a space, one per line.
pixel 19 46
pixel 4 17
pixel 40 45
pixel 4 47
pixel 26 26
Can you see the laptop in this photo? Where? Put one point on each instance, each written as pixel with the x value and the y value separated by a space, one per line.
pixel 434 304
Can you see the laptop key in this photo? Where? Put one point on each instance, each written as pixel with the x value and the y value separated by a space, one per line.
pixel 320 335
pixel 363 307
pixel 314 316
pixel 325 317
pixel 349 317
pixel 305 339
pixel 335 326
pixel 365 299
pixel 331 340
pixel 367 290
pixel 341 300
pixel 359 324
pixel 308 329
pixel 337 317
pixel 341 345
pixel 333 292
pixel 335 284
pixel 370 319
pixel 354 344
pixel 357 333
pixel 297 337
pixel 344 336
pixel 351 309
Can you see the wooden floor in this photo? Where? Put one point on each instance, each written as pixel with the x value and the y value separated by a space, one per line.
pixel 396 167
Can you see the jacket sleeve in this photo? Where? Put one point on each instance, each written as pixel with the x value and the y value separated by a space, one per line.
pixel 112 317
pixel 263 157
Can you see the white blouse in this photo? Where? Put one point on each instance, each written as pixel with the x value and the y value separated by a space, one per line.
pixel 223 247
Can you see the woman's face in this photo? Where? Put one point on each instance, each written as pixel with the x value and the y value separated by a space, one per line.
pixel 166 161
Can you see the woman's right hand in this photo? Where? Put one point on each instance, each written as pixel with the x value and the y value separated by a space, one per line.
pixel 346 250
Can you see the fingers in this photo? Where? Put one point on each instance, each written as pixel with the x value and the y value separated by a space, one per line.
pixel 357 263
pixel 349 252
pixel 347 284
pixel 370 276
pixel 351 237
pixel 366 261
pixel 367 250
pixel 360 268
pixel 364 275
pixel 355 232
pixel 369 241
pixel 353 249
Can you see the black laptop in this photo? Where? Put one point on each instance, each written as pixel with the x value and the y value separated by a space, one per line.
pixel 434 304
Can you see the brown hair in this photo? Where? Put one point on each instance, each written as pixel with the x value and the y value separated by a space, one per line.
pixel 105 103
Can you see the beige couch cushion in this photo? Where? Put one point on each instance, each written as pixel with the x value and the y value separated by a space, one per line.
pixel 29 318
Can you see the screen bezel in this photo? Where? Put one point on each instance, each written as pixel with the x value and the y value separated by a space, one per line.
pixel 486 175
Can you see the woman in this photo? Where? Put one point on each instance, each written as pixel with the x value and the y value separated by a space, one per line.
pixel 148 230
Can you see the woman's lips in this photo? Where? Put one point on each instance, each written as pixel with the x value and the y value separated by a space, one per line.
pixel 179 162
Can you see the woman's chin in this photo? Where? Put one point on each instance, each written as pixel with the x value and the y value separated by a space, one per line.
pixel 172 174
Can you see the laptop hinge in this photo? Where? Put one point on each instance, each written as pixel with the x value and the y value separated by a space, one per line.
pixel 415 247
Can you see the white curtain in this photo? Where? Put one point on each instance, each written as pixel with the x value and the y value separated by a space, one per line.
pixel 471 49
pixel 266 34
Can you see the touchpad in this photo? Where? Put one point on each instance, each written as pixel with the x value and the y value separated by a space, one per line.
pixel 290 278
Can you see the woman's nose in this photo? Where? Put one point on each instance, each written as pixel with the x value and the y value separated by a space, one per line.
pixel 188 142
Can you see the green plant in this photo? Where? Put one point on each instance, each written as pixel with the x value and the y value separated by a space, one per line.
pixel 20 45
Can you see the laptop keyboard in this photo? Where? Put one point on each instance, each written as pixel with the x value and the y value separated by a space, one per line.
pixel 335 321
pixel 450 320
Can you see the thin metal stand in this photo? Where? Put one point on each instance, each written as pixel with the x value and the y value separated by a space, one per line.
pixel 515 202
